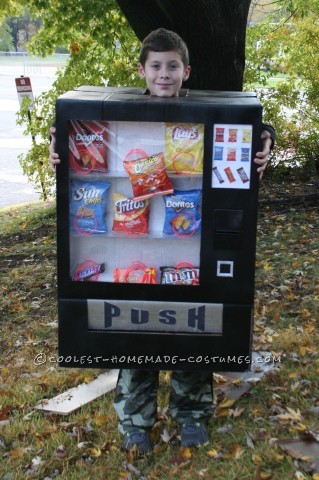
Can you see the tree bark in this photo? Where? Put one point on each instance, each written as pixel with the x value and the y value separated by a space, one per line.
pixel 214 30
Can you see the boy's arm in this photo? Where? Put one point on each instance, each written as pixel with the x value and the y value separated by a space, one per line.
pixel 270 129
pixel 54 158
pixel 268 137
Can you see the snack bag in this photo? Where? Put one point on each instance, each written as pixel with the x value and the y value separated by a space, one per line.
pixel 182 213
pixel 88 207
pixel 148 176
pixel 89 270
pixel 131 216
pixel 219 134
pixel 247 132
pixel 181 274
pixel 137 272
pixel 87 146
pixel 232 134
pixel 184 148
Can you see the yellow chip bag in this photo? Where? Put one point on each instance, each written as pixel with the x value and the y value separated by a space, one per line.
pixel 184 148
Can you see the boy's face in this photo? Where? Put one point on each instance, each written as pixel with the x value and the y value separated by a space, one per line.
pixel 164 73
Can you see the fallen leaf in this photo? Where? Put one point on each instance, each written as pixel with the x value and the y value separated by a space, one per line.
pixel 212 453
pixel 257 459
pixel 165 436
pixel 227 403
pixel 236 452
pixel 17 452
pixel 236 412
pixel 94 452
pixel 295 414
pixel 4 413
pixel 61 452
pixel 225 429
pixel 219 378
pixel 249 442
pixel 186 453
pixel 101 420
pixel 300 476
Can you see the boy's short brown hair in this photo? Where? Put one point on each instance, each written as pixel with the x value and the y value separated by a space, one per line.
pixel 162 40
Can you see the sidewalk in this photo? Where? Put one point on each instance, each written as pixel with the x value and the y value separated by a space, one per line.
pixel 18 70
pixel 18 64
pixel 14 186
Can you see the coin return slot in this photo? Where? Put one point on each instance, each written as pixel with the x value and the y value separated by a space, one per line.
pixel 228 229
pixel 225 268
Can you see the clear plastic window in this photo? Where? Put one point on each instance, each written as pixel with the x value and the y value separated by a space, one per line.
pixel 135 201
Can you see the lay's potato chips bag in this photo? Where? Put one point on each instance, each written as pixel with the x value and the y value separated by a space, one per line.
pixel 184 148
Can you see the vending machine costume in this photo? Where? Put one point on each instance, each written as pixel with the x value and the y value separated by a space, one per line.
pixel 157 212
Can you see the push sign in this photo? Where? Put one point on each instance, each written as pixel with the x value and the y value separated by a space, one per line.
pixel 24 89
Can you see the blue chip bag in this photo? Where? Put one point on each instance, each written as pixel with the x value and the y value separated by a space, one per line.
pixel 182 213
pixel 88 207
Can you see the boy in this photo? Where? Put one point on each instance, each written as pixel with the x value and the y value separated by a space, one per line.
pixel 164 64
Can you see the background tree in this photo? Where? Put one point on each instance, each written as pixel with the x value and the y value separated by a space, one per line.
pixel 288 50
pixel 6 42
pixel 214 31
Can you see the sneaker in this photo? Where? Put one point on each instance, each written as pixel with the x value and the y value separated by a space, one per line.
pixel 137 438
pixel 193 434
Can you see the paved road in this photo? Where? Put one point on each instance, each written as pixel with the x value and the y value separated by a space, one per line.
pixel 14 186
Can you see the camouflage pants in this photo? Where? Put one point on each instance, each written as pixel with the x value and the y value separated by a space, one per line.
pixel 136 397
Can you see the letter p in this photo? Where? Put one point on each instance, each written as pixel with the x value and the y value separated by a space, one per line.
pixel 110 312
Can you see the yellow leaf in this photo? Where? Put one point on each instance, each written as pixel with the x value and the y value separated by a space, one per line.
pixel 186 453
pixel 236 452
pixel 222 412
pixel 268 267
pixel 212 453
pixel 295 414
pixel 257 459
pixel 290 296
pixel 227 403
pixel 94 452
pixel 277 457
pixel 315 476
pixel 101 420
pixel 265 476
pixel 300 427
pixel 305 313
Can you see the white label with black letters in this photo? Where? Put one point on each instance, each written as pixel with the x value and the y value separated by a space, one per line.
pixel 127 315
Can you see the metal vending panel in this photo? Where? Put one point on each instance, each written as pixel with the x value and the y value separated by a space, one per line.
pixel 157 212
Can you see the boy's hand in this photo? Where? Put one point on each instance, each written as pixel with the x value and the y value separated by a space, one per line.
pixel 54 158
pixel 262 157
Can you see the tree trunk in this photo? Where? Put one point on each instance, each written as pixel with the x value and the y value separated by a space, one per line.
pixel 214 30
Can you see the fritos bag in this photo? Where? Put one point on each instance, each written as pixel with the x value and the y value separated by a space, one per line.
pixel 148 176
pixel 131 216
pixel 184 148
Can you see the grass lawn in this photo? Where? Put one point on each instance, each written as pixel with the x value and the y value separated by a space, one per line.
pixel 86 444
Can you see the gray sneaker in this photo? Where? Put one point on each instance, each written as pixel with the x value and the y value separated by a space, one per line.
pixel 194 434
pixel 137 438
